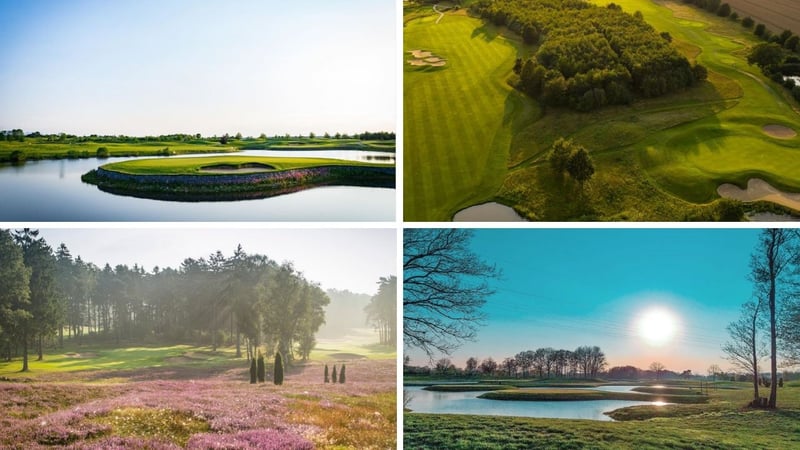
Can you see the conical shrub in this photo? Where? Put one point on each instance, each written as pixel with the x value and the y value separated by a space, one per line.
pixel 253 371
pixel 341 375
pixel 261 370
pixel 278 378
pixel 333 374
pixel 327 378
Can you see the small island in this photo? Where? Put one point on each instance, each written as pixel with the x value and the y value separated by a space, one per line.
pixel 225 178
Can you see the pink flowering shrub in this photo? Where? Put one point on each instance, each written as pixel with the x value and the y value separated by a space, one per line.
pixel 253 439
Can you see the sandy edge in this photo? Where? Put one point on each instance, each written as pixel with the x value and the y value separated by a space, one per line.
pixel 778 131
pixel 758 190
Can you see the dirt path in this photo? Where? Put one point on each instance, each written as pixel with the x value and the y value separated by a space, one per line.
pixel 758 189
pixel 441 14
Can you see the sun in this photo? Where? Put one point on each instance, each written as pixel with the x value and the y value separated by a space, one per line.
pixel 657 326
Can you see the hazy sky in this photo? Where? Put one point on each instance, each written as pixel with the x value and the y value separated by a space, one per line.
pixel 166 66
pixel 573 287
pixel 353 259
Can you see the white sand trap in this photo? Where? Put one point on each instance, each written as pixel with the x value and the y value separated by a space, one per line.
pixel 779 131
pixel 235 171
pixel 488 212
pixel 426 58
pixel 420 54
pixel 758 189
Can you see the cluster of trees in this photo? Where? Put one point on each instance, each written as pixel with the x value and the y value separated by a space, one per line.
pixel 590 56
pixel 583 362
pixel 12 135
pixel 258 372
pixel 381 311
pixel 769 324
pixel 333 378
pixel 566 156
pixel 214 300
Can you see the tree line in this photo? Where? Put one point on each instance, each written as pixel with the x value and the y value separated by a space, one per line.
pixel 19 135
pixel 583 362
pixel 381 312
pixel 590 56
pixel 246 300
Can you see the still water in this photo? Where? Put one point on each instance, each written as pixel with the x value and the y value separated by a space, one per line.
pixel 52 190
pixel 468 403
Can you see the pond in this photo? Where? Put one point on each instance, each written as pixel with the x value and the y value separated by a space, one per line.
pixel 488 212
pixel 52 190
pixel 468 403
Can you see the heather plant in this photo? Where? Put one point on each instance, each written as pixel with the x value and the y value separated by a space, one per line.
pixel 327 377
pixel 333 374
pixel 253 371
pixel 252 439
pixel 278 375
pixel 341 375
pixel 262 373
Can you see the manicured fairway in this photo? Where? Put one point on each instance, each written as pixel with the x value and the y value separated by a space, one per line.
pixel 459 117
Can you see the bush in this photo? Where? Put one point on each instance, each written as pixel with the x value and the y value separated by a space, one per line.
pixel 278 375
pixel 760 29
pixel 73 154
pixel 734 16
pixel 102 152
pixel 748 22
pixel 253 371
pixel 18 156
pixel 333 375
pixel 327 378
pixel 262 374
pixel 796 93
pixel 341 375
pixel 724 10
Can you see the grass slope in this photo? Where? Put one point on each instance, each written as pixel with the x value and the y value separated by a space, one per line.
pixel 458 118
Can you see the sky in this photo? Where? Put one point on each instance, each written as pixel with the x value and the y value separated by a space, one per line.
pixel 572 287
pixel 352 259
pixel 150 67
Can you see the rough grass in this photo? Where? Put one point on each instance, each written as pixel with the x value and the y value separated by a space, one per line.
pixel 723 423
pixel 163 397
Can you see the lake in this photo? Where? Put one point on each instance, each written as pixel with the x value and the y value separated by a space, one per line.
pixel 468 403
pixel 52 190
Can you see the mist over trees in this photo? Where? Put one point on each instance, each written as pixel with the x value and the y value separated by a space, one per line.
pixel 381 311
pixel 246 300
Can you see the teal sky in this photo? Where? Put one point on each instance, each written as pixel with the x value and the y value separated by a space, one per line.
pixel 571 287
pixel 167 66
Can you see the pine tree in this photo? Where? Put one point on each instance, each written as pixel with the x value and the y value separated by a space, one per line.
pixel 253 371
pixel 341 375
pixel 333 375
pixel 327 378
pixel 261 370
pixel 278 378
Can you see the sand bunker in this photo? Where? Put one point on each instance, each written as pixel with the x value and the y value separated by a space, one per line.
pixel 779 131
pixel 341 356
pixel 426 58
pixel 244 168
pixel 757 190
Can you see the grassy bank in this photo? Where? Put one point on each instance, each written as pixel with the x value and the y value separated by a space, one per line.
pixel 201 165
pixel 466 387
pixel 576 395
pixel 723 423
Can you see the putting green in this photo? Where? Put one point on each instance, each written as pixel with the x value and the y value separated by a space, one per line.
pixel 206 165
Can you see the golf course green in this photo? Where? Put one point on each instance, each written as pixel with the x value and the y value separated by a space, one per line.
pixel 472 138
pixel 222 178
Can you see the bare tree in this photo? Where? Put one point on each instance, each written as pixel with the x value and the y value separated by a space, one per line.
pixel 488 366
pixel 745 349
pixel 713 370
pixel 789 332
pixel 657 367
pixel 771 269
pixel 445 285
pixel 472 366
pixel 509 366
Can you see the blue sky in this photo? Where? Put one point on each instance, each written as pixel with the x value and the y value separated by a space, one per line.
pixel 164 66
pixel 570 287
pixel 352 259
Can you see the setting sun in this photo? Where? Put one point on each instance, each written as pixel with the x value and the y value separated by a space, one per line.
pixel 657 326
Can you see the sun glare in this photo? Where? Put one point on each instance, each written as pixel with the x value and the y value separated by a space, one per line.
pixel 657 326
